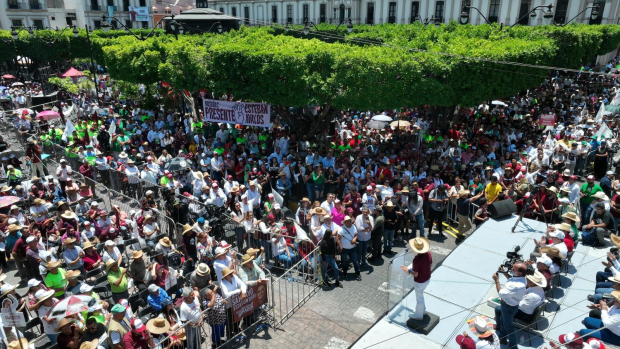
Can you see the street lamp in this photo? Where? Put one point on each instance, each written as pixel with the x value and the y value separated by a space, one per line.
pixel 548 16
pixel 465 16
pixel 15 33
pixel 219 27
pixel 348 24
pixel 75 32
pixel 287 28
pixel 593 16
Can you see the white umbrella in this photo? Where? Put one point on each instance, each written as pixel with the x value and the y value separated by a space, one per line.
pixel 22 110
pixel 499 103
pixel 382 118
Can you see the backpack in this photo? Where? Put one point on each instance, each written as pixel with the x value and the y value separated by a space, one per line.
pixel 588 237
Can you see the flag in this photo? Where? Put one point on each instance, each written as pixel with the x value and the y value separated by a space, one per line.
pixel 69 129
pixel 604 131
pixel 599 115
pixel 584 112
pixel 616 100
pixel 112 128
pixel 86 137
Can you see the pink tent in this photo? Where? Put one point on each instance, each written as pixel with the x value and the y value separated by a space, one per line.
pixel 72 73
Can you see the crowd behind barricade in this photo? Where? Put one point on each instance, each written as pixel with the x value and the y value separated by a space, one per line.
pixel 312 201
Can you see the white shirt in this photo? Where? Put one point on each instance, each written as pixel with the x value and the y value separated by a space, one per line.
pixel 513 291
pixel 232 287
pixel 190 312
pixel 133 175
pixel 360 224
pixel 321 232
pixel 63 174
pixel 369 201
pixel 278 246
pixel 327 206
pixel 611 318
pixel 534 297
pixel 346 236
pixel 220 264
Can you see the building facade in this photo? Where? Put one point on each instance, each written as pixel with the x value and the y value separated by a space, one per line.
pixel 42 14
pixel 265 12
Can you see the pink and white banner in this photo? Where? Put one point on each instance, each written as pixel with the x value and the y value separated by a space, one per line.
pixel 251 114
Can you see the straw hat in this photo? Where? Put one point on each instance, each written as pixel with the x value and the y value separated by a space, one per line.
pixel 109 264
pixel 137 254
pixel 552 252
pixel 39 201
pixel 419 245
pixel 226 271
pixel 42 296
pixel 614 279
pixel 157 325
pixel 553 189
pixel 219 251
pixel 538 279
pixel 72 274
pixel 305 200
pixel 481 326
pixel 234 189
pixel 203 269
pixel 64 322
pixel 68 215
pixel 69 241
pixel 87 245
pixel 187 228
pixel 572 216
pixel 246 258
pixel 616 295
pixel 6 289
pixel 122 155
pixel 318 211
pixel 52 265
pixel 5 188
pixel 563 226
pixel 16 345
pixel 347 219
pixel 463 193
pixel 615 240
pixel 389 204
pixel 14 228
pixel 165 241
pixel 90 345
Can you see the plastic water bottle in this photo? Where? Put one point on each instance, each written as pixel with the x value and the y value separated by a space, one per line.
pixel 522 340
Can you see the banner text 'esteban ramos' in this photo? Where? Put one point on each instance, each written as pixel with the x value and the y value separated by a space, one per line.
pixel 253 114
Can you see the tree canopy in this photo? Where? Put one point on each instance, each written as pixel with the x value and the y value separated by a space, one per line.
pixel 374 67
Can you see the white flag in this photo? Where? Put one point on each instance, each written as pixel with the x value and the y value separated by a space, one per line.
pixel 616 100
pixel 604 130
pixel 601 112
pixel 112 128
pixel 69 128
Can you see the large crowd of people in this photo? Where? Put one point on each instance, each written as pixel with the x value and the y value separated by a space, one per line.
pixel 349 193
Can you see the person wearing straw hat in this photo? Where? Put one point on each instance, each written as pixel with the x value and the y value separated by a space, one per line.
pixel 69 334
pixel 158 327
pixel 73 255
pixel 462 209
pixel 347 241
pixel 420 269
pixel 572 218
pixel 45 302
pixel 55 278
pixel 604 324
pixel 201 277
pixel 534 296
pixel 117 277
pixel 603 289
pixel 481 327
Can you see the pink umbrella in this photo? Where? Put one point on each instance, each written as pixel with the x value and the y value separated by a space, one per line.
pixel 8 76
pixel 72 73
pixel 48 115
pixel 75 306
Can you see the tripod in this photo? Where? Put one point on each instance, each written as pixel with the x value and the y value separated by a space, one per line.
pixel 526 205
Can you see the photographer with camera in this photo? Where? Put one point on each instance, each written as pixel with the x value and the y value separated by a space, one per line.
pixel 511 295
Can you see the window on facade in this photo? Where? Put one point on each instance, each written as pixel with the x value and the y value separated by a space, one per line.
pixel 306 12
pixel 439 9
pixel 221 9
pixel 322 13
pixel 97 24
pixel 126 5
pixel 142 3
pixel 370 13
pixel 289 13
pixel 38 24
pixel 94 5
pixel 561 8
pixel 274 14
pixel 35 5
pixel 233 11
pixel 128 23
pixel 392 12
pixel 145 24
pixel 524 8
pixel 110 2
pixel 494 11
pixel 246 15
pixel 13 4
pixel 415 11
pixel 601 10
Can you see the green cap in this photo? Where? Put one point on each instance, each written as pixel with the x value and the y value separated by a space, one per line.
pixel 524 153
pixel 117 308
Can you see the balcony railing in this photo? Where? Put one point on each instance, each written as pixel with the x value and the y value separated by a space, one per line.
pixel 26 5
pixel 55 3
pixel 93 7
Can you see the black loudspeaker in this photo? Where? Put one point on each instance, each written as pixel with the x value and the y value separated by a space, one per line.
pixel 502 208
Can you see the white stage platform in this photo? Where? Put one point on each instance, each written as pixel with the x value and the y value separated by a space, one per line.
pixel 460 287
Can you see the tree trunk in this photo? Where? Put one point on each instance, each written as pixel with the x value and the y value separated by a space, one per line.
pixel 304 122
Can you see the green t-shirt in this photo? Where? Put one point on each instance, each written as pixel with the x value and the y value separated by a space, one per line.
pixel 113 277
pixel 56 281
pixel 589 192
pixel 116 145
pixel 318 179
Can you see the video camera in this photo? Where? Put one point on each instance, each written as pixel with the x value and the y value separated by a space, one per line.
pixel 513 257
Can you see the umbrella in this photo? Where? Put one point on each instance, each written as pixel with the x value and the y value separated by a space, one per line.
pixel 612 108
pixel 498 103
pixel 23 111
pixel 70 306
pixel 6 201
pixel 17 84
pixel 400 123
pixel 8 76
pixel 178 163
pixel 7 153
pixel 48 115
pixel 377 125
pixel 381 118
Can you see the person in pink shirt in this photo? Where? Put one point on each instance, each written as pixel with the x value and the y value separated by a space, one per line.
pixel 338 212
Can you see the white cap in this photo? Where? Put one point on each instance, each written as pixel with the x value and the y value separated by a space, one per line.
pixel 557 234
pixel 30 239
pixel 12 220
pixel 276 207
pixel 110 243
pixel 244 196
pixel 33 283
pixel 544 260
pixel 85 288
pixel 94 204
pixel 610 173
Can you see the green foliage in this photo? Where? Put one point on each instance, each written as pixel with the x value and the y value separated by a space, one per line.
pixel 380 66
pixel 65 84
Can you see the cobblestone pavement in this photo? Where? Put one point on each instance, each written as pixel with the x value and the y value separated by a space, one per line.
pixel 334 318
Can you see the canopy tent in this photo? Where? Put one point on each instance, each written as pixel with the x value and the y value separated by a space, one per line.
pixel 72 73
